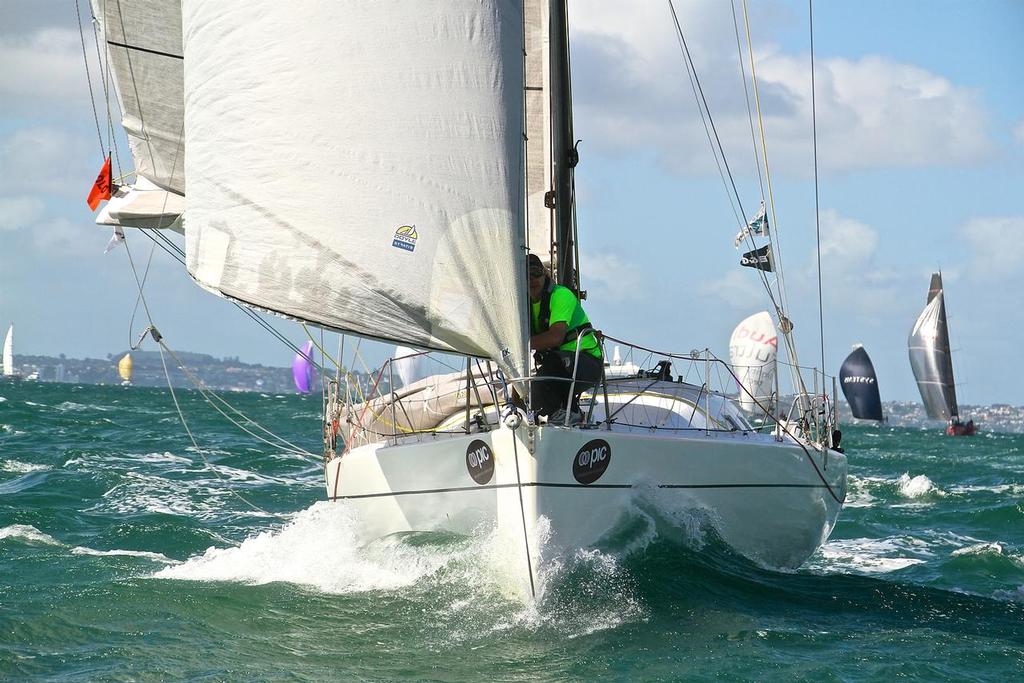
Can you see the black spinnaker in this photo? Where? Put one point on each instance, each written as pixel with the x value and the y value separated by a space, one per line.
pixel 860 386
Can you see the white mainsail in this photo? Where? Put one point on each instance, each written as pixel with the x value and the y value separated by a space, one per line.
pixel 357 166
pixel 753 349
pixel 143 42
pixel 9 352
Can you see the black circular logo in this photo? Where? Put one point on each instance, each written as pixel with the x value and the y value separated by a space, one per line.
pixel 480 461
pixel 591 461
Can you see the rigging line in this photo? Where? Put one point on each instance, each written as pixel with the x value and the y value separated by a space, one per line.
pixel 714 152
pixel 178 255
pixel 746 96
pixel 141 297
pixel 522 512
pixel 177 406
pixel 817 211
pixel 773 236
pixel 700 89
pixel 206 392
pixel 135 88
pixel 741 220
pixel 105 70
pixel 200 450
pixel 88 77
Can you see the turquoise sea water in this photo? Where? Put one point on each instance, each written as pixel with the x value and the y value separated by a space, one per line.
pixel 124 556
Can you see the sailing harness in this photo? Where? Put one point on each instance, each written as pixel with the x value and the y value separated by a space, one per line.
pixel 544 319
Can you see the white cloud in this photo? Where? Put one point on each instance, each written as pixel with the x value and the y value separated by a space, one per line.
pixel 18 212
pixel 997 244
pixel 59 236
pixel 871 112
pixel 49 159
pixel 735 289
pixel 1018 133
pixel 45 65
pixel 612 278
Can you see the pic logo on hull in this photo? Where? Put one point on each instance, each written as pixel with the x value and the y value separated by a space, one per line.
pixel 480 461
pixel 591 461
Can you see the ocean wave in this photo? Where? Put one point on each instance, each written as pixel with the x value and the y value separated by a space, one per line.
pixel 870 555
pixel 471 584
pixel 918 486
pixel 27 533
pixel 158 557
pixel 22 467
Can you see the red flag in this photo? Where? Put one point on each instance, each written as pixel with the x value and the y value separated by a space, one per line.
pixel 101 188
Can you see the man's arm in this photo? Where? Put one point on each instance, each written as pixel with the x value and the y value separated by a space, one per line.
pixel 550 339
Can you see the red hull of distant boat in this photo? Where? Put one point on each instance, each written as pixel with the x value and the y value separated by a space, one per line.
pixel 962 429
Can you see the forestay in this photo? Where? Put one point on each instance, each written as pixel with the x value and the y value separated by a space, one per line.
pixel 143 42
pixel 359 166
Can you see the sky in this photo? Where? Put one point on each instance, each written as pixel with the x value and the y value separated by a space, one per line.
pixel 920 155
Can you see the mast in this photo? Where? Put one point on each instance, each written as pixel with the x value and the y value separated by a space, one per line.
pixel 564 156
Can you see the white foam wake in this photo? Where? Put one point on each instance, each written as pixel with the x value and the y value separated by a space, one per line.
pixel 26 533
pixel 319 547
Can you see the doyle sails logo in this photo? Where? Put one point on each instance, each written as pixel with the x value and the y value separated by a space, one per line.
pixel 480 461
pixel 591 461
pixel 405 238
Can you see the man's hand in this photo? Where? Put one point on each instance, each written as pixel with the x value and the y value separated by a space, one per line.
pixel 550 339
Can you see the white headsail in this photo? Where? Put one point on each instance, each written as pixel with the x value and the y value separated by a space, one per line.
pixel 358 166
pixel 8 368
pixel 753 348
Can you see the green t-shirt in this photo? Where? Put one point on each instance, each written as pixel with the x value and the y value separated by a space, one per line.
pixel 566 308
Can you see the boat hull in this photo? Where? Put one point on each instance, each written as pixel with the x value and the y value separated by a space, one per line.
pixel 553 490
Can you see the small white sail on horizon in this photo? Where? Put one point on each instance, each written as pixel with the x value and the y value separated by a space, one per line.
pixel 8 356
pixel 753 350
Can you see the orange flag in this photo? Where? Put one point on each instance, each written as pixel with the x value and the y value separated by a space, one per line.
pixel 101 188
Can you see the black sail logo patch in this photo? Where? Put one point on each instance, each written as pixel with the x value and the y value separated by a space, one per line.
pixel 591 461
pixel 480 461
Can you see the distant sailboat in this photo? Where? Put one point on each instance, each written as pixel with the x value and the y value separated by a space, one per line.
pixel 932 362
pixel 753 349
pixel 9 371
pixel 860 386
pixel 124 369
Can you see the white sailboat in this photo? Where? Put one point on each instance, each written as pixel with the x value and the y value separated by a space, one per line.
pixel 8 354
pixel 399 204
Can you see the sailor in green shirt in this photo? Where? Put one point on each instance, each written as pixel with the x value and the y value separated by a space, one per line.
pixel 557 323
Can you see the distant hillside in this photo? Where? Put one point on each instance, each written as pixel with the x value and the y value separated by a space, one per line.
pixel 223 374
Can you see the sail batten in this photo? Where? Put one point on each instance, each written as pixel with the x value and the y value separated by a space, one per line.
pixel 930 356
pixel 361 169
